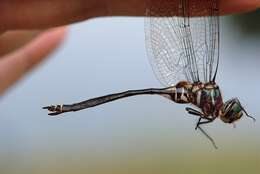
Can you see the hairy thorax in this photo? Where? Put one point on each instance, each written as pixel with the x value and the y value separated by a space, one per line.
pixel 208 98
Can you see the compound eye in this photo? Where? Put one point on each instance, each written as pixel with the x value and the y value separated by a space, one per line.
pixel 227 105
pixel 231 112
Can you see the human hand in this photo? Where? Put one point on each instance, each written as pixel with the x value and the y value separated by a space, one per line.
pixel 19 56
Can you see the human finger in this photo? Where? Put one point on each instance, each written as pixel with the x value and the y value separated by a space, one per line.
pixel 12 40
pixel 14 65
pixel 17 14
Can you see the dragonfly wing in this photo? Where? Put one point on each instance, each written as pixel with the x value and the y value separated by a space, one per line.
pixel 181 47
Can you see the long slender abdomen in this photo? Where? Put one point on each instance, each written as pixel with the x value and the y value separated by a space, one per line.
pixel 179 94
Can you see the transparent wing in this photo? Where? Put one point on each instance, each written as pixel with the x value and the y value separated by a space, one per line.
pixel 182 40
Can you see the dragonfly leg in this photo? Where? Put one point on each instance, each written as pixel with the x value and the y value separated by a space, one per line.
pixel 208 120
pixel 194 112
pixel 201 115
pixel 200 122
pixel 209 137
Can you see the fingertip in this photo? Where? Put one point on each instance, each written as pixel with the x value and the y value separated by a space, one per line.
pixel 55 35
pixel 19 62
pixel 238 6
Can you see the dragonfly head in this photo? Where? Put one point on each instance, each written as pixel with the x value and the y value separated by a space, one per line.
pixel 232 111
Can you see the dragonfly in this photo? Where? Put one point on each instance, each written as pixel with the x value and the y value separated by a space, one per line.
pixel 182 41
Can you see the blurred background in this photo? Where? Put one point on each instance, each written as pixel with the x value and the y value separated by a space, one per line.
pixel 144 134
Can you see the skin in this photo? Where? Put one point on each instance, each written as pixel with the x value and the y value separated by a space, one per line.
pixel 25 26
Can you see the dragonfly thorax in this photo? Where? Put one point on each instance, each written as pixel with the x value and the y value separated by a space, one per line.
pixel 208 98
pixel 205 96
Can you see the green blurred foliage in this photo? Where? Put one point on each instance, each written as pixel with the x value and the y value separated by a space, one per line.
pixel 229 161
pixel 248 23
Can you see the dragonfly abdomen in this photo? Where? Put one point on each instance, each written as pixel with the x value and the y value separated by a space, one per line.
pixel 180 93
